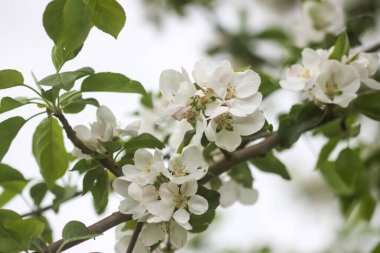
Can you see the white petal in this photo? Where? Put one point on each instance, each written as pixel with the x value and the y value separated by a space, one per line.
pixel 228 193
pixel 149 194
pixel 178 235
pixel 122 246
pixel 210 132
pixel 104 115
pixel 248 196
pixel 181 216
pixel 169 82
pixel 192 158
pixel 132 129
pixel 151 234
pixel 372 83
pixel 243 107
pixel 121 187
pixel 168 191
pixel 189 188
pixel 246 83
pixel 198 205
pixel 249 124
pixel 228 140
pixel 82 132
pixel 202 71
pixel 130 171
pixel 141 158
pixel 135 192
pixel 128 205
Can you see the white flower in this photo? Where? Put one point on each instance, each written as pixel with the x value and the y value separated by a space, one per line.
pixel 367 65
pixel 325 16
pixel 123 237
pixel 231 191
pixel 146 168
pixel 155 232
pixel 302 76
pixel 136 197
pixel 177 202
pixel 187 166
pixel 226 129
pixel 336 84
pixel 106 128
pixel 84 134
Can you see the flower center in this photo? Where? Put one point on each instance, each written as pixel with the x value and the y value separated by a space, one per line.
pixel 224 121
pixel 180 201
pixel 231 92
pixel 148 167
pixel 179 169
pixel 332 89
pixel 190 115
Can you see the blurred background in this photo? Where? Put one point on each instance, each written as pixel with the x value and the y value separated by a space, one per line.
pixel 302 215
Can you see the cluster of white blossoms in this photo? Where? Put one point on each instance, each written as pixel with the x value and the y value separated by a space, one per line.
pixel 104 129
pixel 329 81
pixel 222 103
pixel 163 195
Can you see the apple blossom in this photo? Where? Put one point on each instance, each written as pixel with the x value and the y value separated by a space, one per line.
pixel 231 191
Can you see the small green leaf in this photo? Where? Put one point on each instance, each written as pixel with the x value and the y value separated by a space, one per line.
pixel 376 249
pixel 300 119
pixel 60 55
pixel 241 173
pixel 96 181
pixel 147 100
pixel 331 176
pixel 107 15
pixel 368 104
pixel 66 80
pixel 348 166
pixel 201 222
pixel 271 164
pixel 8 131
pixel 341 48
pixel 67 23
pixel 10 78
pixel 144 140
pixel 12 182
pixel 367 206
pixel 112 82
pixel 75 230
pixel 186 140
pixel 326 151
pixel 8 103
pixel 83 165
pixel 49 150
pixel 38 192
pixel 268 84
pixel 51 94
pixel 72 102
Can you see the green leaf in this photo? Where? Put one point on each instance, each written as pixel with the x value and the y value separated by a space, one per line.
pixel 341 48
pixel 376 249
pixel 72 102
pixel 144 140
pixel 12 182
pixel 67 23
pixel 241 173
pixel 112 82
pixel 186 140
pixel 367 206
pixel 66 80
pixel 61 195
pixel 76 230
pixel 268 84
pixel 49 150
pixel 271 164
pixel 348 166
pixel 300 119
pixel 10 78
pixel 331 176
pixel 201 222
pixel 8 131
pixel 8 103
pixel 38 192
pixel 83 165
pixel 368 104
pixel 96 181
pixel 107 15
pixel 6 196
pixel 147 100
pixel 51 94
pixel 60 55
pixel 326 151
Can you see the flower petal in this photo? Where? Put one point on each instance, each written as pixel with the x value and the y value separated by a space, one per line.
pixel 198 205
pixel 151 234
pixel 248 196
pixel 246 83
pixel 250 124
pixel 121 187
pixel 105 116
pixel 177 235
pixel 181 216
pixel 169 82
pixel 142 158
pixel 228 140
pixel 189 188
pixel 192 157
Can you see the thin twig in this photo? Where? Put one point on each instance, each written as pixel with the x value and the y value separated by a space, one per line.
pixel 71 134
pixel 135 236
pixel 98 227
pixel 39 211
pixel 373 49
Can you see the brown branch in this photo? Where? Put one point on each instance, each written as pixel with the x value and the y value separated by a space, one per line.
pixel 373 49
pixel 71 134
pixel 39 211
pixel 135 236
pixel 98 227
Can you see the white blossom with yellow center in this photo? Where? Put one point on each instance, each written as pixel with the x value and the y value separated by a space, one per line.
pixel 146 168
pixel 177 202
pixel 186 166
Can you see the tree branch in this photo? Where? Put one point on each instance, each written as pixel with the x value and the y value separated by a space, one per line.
pixel 215 170
pixel 98 227
pixel 39 211
pixel 71 134
pixel 373 49
pixel 135 236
